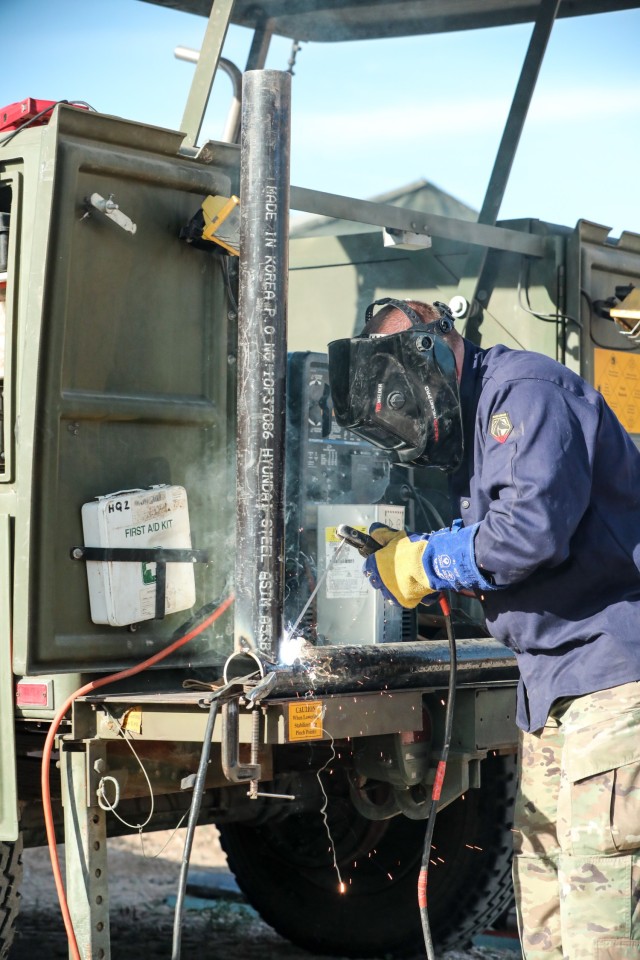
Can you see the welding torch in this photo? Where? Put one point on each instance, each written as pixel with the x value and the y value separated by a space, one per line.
pixel 364 544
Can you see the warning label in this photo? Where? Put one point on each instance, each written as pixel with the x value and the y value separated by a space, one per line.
pixel 617 377
pixel 132 720
pixel 305 720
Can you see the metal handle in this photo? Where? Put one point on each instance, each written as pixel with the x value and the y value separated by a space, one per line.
pixel 356 538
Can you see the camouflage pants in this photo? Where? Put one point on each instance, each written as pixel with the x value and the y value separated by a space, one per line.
pixel 577 830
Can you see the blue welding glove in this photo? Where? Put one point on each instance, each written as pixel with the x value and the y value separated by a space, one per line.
pixel 397 569
pixel 450 562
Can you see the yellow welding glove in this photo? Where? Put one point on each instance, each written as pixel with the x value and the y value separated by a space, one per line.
pixel 396 569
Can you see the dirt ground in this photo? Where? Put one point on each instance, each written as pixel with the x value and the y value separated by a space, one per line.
pixel 142 887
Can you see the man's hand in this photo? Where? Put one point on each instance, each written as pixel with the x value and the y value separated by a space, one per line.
pixel 408 568
pixel 396 569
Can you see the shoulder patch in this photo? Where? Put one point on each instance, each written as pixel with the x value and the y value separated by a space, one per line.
pixel 501 426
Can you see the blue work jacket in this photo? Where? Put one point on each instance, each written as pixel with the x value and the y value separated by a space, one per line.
pixel 553 480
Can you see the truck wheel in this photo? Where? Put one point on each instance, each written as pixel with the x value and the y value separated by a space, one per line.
pixel 10 880
pixel 286 871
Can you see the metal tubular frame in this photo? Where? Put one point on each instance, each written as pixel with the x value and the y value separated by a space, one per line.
pixel 205 70
pixel 512 132
pixel 432 224
pixel 382 666
pixel 262 358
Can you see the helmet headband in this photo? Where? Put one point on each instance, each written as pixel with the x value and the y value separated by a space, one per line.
pixel 442 325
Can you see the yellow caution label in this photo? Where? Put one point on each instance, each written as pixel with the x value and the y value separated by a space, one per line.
pixel 305 720
pixel 132 720
pixel 617 377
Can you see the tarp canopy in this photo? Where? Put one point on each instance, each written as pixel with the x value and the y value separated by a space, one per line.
pixel 331 20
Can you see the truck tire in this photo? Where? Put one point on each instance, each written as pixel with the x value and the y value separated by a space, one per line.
pixel 285 869
pixel 10 881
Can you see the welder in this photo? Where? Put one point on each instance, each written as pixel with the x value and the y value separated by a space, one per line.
pixel 545 484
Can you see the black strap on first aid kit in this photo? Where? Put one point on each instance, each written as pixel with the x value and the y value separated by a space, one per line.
pixel 161 557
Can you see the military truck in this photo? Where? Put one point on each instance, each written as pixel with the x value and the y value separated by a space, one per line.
pixel 182 634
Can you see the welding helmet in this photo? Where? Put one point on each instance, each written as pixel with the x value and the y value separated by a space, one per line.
pixel 400 391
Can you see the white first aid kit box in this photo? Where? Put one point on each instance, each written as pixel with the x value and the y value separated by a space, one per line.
pixel 123 593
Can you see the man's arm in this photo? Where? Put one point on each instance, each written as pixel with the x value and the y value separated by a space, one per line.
pixel 538 480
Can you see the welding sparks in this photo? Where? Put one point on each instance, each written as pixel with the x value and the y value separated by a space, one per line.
pixel 291 649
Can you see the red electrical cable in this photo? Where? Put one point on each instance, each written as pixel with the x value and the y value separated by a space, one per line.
pixel 48 749
pixel 438 781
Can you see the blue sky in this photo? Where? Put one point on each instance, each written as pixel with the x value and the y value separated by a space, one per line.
pixel 370 117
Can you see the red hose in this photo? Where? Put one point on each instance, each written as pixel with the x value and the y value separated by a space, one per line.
pixel 48 749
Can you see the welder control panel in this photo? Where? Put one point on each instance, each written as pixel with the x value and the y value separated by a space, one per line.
pixel 326 467
pixel 327 464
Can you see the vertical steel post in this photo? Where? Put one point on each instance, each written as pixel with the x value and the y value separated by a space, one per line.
pixel 262 358
pixel 8 777
pixel 85 839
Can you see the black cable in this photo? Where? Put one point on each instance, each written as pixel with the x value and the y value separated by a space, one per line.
pixel 200 614
pixel 226 274
pixel 437 785
pixel 194 813
pixel 41 113
pixel 545 317
pixel 426 508
pixel 603 346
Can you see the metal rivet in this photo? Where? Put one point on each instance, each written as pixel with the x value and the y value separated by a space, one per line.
pixel 396 400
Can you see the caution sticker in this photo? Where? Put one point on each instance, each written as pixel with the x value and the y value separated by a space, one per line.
pixel 305 720
pixel 617 377
pixel 132 720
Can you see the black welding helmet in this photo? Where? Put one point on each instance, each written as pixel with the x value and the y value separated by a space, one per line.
pixel 400 391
